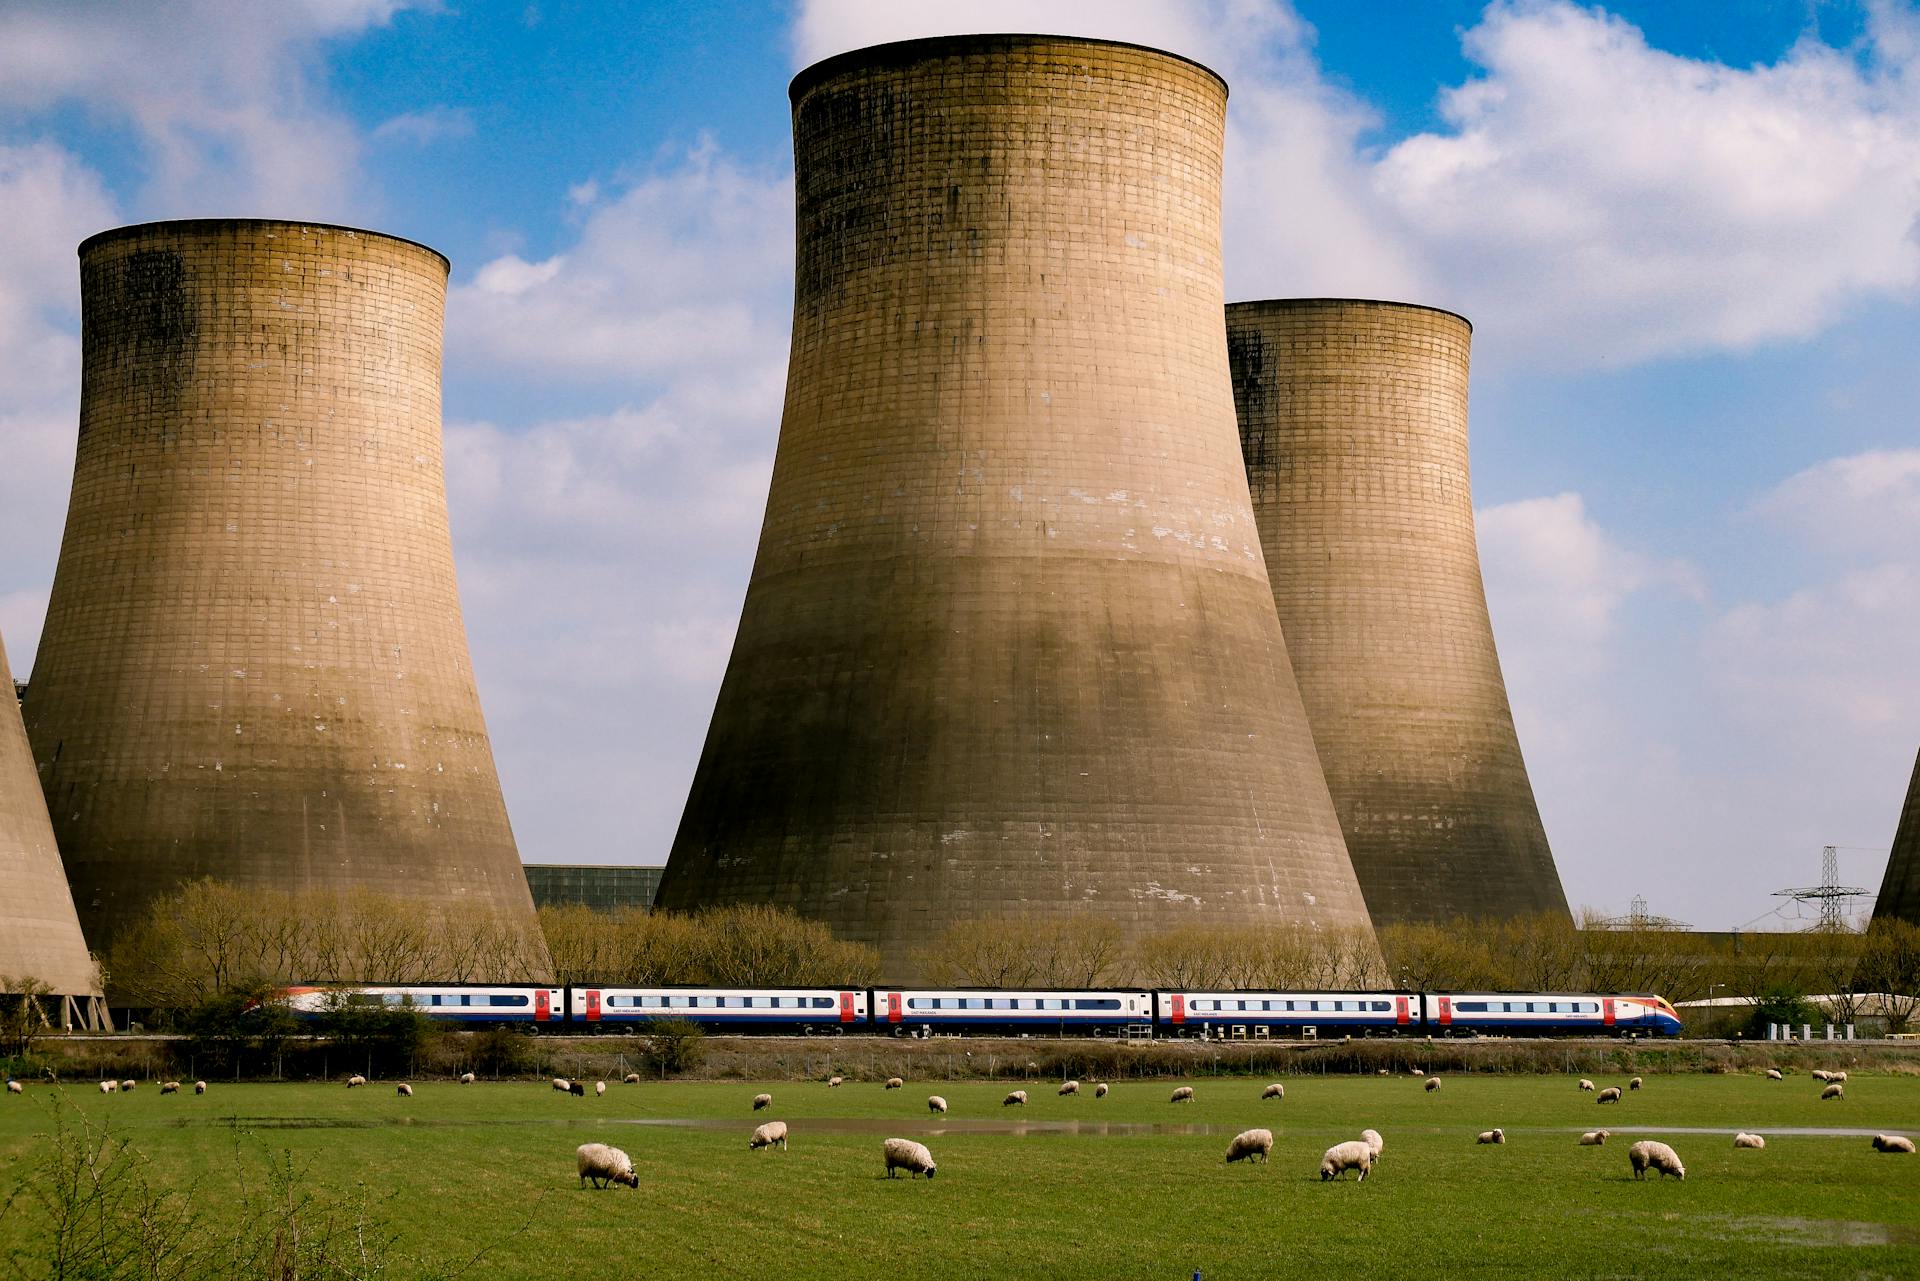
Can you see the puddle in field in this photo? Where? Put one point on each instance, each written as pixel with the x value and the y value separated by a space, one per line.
pixel 1814 1232
pixel 1771 1131
pixel 830 1125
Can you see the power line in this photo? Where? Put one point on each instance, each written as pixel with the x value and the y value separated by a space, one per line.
pixel 1830 896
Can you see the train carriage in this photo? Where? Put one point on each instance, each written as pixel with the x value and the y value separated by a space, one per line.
pixel 1550 1014
pixel 722 1009
pixel 1288 1014
pixel 466 1004
pixel 1019 1013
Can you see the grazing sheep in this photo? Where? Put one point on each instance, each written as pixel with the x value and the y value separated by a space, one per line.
pixel 1433 1083
pixel 769 1134
pixel 199 1087
pixel 631 1078
pixel 1594 1138
pixel 1609 1095
pixel 1834 1091
pixel 578 1089
pixel 605 1166
pixel 109 1087
pixel 355 1079
pixel 1819 1074
pixel 1182 1095
pixel 1100 1090
pixel 1837 1076
pixel 1648 1154
pixel 1634 1084
pixel 1773 1074
pixel 14 1087
pixel 1274 1091
pixel 936 1104
pixel 905 1154
pixel 761 1102
pixel 1249 1144
pixel 894 1083
pixel 467 1078
pixel 599 1088
pixel 1495 1135
pixel 1893 1143
pixel 1748 1141
pixel 127 1086
pixel 1384 1072
pixel 833 1082
pixel 169 1087
pixel 1341 1157
pixel 561 1084
pixel 1586 1086
pixel 1373 1140
pixel 1069 1087
pixel 404 1090
pixel 1017 1099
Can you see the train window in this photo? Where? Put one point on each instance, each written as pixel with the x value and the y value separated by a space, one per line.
pixel 1461 1007
pixel 1313 1005
pixel 1380 1007
pixel 1053 1003
pixel 498 1000
pixel 1096 1005
pixel 822 1002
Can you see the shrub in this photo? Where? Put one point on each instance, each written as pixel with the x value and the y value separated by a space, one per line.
pixel 670 1046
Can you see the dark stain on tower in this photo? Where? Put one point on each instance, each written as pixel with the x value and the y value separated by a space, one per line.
pixel 254 665
pixel 1009 643
pixel 1353 425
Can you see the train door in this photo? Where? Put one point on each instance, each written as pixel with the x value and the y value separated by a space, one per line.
pixel 1446 1011
pixel 1606 1011
pixel 893 1007
pixel 1400 1018
pixel 542 1005
pixel 593 1005
pixel 1177 1008
pixel 846 1007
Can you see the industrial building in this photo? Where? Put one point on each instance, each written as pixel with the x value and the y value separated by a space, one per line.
pixel 1353 424
pixel 601 887
pixel 1009 642
pixel 254 666
pixel 1900 888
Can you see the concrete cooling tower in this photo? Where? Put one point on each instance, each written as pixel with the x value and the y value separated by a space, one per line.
pixel 39 934
pixel 1353 422
pixel 1009 643
pixel 1900 890
pixel 254 666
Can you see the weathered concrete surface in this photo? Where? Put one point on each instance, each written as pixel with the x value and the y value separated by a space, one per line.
pixel 1900 889
pixel 254 665
pixel 1009 642
pixel 39 933
pixel 1353 422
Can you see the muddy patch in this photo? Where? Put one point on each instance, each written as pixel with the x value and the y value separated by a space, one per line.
pixel 1812 1232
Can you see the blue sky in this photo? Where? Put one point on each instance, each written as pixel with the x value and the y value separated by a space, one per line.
pixel 1685 233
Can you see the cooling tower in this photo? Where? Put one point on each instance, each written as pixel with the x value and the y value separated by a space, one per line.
pixel 39 933
pixel 1353 421
pixel 1008 643
pixel 1900 890
pixel 254 665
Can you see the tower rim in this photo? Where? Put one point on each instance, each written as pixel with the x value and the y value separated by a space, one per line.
pixel 1251 303
pixel 903 51
pixel 209 224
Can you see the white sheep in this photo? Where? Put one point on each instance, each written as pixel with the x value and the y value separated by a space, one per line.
pixel 769 1134
pixel 169 1087
pixel 833 1082
pixel 199 1087
pixel 1634 1084
pixel 1837 1076
pixel 905 1154
pixel 936 1104
pixel 1649 1154
pixel 561 1085
pixel 14 1087
pixel 1274 1091
pixel 599 1088
pixel 1594 1138
pixel 1182 1095
pixel 1892 1143
pixel 355 1080
pixel 1249 1144
pixel 631 1078
pixel 1017 1099
pixel 761 1102
pixel 404 1090
pixel 1744 1140
pixel 1433 1083
pixel 894 1083
pixel 1586 1086
pixel 109 1087
pixel 1609 1095
pixel 127 1086
pixel 1819 1074
pixel 1373 1140
pixel 1100 1090
pixel 1773 1074
pixel 1834 1091
pixel 1341 1157
pixel 1495 1135
pixel 605 1166
pixel 1069 1087
pixel 467 1078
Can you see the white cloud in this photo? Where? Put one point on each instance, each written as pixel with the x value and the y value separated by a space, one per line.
pixel 427 126
pixel 1867 503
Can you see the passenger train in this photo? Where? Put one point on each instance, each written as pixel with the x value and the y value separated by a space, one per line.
pixel 1096 1012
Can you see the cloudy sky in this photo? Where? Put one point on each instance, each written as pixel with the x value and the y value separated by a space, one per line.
pixel 1686 235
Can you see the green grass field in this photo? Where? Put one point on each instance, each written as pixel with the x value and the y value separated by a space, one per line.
pixel 456 1167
